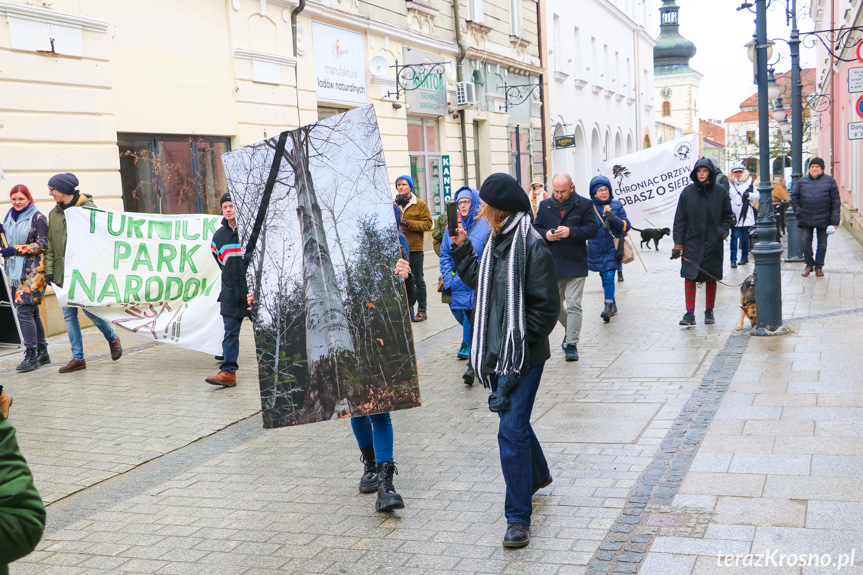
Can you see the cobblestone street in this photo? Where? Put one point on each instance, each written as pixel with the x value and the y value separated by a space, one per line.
pixel 668 447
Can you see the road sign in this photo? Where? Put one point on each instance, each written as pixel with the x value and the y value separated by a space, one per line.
pixel 859 53
pixel 855 131
pixel 855 79
pixel 859 107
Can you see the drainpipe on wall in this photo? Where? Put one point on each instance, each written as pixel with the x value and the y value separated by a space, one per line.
pixel 637 59
pixel 462 52
pixel 543 90
pixel 294 13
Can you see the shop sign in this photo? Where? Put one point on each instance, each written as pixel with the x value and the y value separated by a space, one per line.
pixel 425 94
pixel 340 65
pixel 855 79
pixel 561 142
pixel 855 131
pixel 446 179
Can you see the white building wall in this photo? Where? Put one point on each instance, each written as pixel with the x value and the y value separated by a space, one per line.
pixel 600 67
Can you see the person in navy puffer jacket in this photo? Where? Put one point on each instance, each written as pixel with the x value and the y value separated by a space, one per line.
pixel 461 305
pixel 602 256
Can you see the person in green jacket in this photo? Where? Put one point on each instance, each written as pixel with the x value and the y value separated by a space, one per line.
pixel 63 188
pixel 22 514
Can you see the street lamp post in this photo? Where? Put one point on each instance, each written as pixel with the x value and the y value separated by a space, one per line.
pixel 795 247
pixel 767 252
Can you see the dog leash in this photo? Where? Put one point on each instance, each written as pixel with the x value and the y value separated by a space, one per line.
pixel 702 270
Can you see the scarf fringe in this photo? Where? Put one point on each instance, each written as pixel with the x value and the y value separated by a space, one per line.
pixel 512 351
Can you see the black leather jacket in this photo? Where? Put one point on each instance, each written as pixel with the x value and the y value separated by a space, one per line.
pixel 542 301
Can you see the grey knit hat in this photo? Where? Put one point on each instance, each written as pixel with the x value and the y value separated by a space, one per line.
pixel 64 183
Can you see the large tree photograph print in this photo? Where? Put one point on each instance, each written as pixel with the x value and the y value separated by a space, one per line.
pixel 332 328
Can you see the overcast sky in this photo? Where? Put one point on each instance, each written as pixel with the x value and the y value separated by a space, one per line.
pixel 720 33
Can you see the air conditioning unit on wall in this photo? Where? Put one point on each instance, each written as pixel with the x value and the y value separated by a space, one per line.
pixel 465 94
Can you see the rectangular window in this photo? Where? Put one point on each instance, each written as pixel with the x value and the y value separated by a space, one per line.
pixel 325 112
pixel 750 137
pixel 170 174
pixel 426 161
pixel 557 47
pixel 475 11
pixel 519 163
pixel 515 16
pixel 576 52
pixel 593 61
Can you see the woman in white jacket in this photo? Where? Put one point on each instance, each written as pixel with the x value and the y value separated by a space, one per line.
pixel 741 187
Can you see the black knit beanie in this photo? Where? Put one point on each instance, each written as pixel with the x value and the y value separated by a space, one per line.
pixel 817 162
pixel 225 198
pixel 501 191
pixel 64 183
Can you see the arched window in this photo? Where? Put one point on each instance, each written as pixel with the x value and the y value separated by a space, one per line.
pixel 666 109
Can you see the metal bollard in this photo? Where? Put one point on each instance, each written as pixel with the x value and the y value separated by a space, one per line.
pixel 792 234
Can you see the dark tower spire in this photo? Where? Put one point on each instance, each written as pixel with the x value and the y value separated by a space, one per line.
pixel 672 52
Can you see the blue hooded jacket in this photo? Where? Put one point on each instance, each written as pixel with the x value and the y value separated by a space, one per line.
pixel 477 230
pixel 601 254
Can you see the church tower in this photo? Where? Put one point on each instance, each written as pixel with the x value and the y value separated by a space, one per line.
pixel 675 82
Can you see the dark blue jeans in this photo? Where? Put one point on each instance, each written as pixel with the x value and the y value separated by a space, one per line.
pixel 608 285
pixel 375 430
pixel 521 457
pixel 231 344
pixel 741 234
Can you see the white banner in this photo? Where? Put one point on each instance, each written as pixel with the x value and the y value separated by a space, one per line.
pixel 150 274
pixel 649 182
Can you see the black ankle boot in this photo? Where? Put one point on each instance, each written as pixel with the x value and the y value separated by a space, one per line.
pixel 620 275
pixel 388 499
pixel 606 313
pixel 42 354
pixel 31 361
pixel 469 376
pixel 369 480
pixel 613 308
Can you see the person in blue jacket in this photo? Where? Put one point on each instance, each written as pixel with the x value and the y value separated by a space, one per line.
pixel 602 255
pixel 461 306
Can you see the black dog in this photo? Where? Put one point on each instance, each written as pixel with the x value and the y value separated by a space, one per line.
pixel 654 234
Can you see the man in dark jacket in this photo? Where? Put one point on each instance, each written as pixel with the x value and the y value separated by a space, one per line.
pixel 815 200
pixel 63 188
pixel 701 224
pixel 234 297
pixel 566 221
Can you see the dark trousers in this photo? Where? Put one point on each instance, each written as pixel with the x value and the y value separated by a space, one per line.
pixel 417 259
pixel 31 326
pixel 806 238
pixel 231 344
pixel 521 457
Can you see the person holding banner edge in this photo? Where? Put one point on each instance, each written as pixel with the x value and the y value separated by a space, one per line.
pixel 701 223
pixel 233 299
pixel 63 188
pixel 25 230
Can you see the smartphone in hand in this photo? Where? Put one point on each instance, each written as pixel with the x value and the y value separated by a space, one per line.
pixel 452 218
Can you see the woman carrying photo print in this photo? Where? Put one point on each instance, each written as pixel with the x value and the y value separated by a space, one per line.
pixel 515 310
pixel 374 434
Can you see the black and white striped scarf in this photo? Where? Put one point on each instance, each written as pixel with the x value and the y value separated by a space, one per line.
pixel 512 351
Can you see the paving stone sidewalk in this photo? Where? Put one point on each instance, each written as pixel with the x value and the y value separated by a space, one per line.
pixel 667 446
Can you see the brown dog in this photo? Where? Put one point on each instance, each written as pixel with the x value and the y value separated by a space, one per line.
pixel 747 302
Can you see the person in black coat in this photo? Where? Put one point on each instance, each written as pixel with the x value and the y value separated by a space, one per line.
pixel 815 201
pixel 701 224
pixel 233 299
pixel 566 221
pixel 515 310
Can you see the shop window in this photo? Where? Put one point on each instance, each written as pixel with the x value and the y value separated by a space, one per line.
pixel 426 161
pixel 163 174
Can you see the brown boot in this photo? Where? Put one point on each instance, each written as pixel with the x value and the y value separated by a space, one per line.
pixel 116 349
pixel 819 272
pixel 225 379
pixel 5 404
pixel 806 271
pixel 74 365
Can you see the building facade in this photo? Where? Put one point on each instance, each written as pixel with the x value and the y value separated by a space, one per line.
pixel 741 141
pixel 676 84
pixel 600 67
pixel 140 100
pixel 838 108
